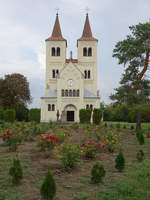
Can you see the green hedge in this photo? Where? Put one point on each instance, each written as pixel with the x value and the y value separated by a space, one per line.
pixel 9 115
pixel 85 115
pixel 34 115
pixel 97 116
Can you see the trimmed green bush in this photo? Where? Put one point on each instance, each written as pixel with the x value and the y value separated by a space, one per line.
pixel 85 115
pixel 120 161
pixel 97 116
pixel 97 173
pixel 140 155
pixel 34 114
pixel 140 137
pixel 48 187
pixel 9 115
pixel 16 171
pixel 21 113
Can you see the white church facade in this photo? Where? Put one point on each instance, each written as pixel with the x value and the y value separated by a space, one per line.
pixel 71 84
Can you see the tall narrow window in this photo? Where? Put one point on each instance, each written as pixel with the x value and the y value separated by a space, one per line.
pixel 53 107
pixel 70 93
pixel 53 73
pixel 53 51
pixel 85 74
pixel 89 74
pixel 78 93
pixel 66 93
pixel 90 51
pixel 57 72
pixel 84 51
pixel 74 93
pixel 58 51
pixel 62 93
pixel 87 106
pixel 49 107
pixel 91 107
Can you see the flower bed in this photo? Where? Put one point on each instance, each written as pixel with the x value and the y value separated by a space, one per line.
pixel 47 141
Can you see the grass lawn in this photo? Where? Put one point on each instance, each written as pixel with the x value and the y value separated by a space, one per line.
pixel 132 184
pixel 145 126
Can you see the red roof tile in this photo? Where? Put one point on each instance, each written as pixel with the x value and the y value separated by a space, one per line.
pixel 56 34
pixel 72 60
pixel 87 33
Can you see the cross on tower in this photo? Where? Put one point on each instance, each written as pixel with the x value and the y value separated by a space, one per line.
pixel 57 10
pixel 87 10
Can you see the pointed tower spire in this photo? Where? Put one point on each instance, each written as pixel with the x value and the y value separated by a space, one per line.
pixel 56 34
pixel 87 33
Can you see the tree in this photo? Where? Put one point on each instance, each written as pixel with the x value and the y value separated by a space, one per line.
pixel 16 171
pixel 48 187
pixel 14 89
pixel 134 54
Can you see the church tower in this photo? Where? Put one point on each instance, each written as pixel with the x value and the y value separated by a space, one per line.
pixel 87 57
pixel 55 55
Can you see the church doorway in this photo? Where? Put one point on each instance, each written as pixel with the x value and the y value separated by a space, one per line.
pixel 70 116
pixel 69 113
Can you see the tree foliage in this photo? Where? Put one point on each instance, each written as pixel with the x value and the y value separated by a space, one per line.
pixel 134 54
pixel 14 89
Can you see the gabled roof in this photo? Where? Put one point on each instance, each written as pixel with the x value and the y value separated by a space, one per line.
pixel 87 33
pixel 56 34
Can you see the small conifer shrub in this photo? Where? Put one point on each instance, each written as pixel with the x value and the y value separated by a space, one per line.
pixel 120 161
pixel 140 155
pixel 124 126
pixel 140 137
pixel 48 187
pixel 16 171
pixel 131 127
pixel 97 173
pixel 105 125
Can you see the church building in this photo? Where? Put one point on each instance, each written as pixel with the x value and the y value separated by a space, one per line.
pixel 71 84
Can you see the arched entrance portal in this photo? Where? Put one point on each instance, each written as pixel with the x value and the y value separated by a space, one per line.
pixel 69 113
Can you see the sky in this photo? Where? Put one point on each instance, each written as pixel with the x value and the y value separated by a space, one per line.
pixel 25 24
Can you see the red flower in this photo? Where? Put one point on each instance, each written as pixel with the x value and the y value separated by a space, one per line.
pixel 102 145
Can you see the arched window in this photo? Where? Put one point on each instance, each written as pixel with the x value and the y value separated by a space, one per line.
pixel 49 107
pixel 84 51
pixel 74 93
pixel 53 107
pixel 87 106
pixel 62 93
pixel 53 51
pixel 90 51
pixel 78 93
pixel 58 51
pixel 89 74
pixel 70 93
pixel 66 93
pixel 85 74
pixel 91 107
pixel 57 72
pixel 53 73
